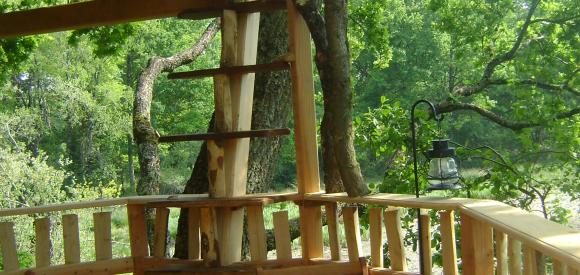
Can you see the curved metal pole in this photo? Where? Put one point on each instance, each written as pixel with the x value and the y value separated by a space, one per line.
pixel 414 143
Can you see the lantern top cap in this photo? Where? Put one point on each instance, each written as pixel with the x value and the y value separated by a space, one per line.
pixel 440 149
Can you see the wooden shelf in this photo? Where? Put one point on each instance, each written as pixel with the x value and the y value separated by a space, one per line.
pixel 227 135
pixel 275 66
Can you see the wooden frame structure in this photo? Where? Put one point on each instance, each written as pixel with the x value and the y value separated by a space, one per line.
pixel 493 233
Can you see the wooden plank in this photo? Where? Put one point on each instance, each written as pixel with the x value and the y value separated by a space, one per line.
pixel 137 230
pixel 193 237
pixel 335 268
pixel 397 200
pixel 332 224
pixel 558 268
pixel 240 7
pixel 501 252
pixel 268 67
pixel 515 256
pixel 115 266
pixel 209 241
pixel 308 176
pixel 426 240
pixel 311 231
pixel 551 239
pixel 530 263
pixel 8 246
pixel 70 238
pixel 376 235
pixel 103 237
pixel 161 222
pixel 395 239
pixel 386 271
pixel 257 233
pixel 42 243
pixel 226 135
pixel 448 249
pixel 352 232
pixel 282 235
pixel 572 271
pixel 476 246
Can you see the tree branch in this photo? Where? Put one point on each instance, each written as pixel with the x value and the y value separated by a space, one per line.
pixel 535 83
pixel 447 107
pixel 310 10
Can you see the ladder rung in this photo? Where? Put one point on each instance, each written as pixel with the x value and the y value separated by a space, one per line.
pixel 226 135
pixel 241 7
pixel 275 66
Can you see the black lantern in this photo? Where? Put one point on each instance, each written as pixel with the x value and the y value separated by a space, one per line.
pixel 443 169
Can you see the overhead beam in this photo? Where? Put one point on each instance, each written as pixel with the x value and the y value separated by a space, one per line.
pixel 110 12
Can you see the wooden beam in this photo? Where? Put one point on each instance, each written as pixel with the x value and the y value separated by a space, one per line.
pixel 335 268
pixel 274 66
pixel 103 237
pixel 226 135
pixel 70 238
pixel 115 266
pixel 43 244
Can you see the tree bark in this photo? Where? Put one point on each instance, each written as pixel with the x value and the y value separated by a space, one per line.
pixel 271 109
pixel 333 63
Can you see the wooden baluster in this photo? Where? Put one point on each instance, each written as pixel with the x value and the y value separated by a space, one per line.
pixel 476 246
pixel 376 232
pixel 43 244
pixel 572 271
pixel 501 252
pixel 8 246
pixel 103 238
pixel 558 268
pixel 332 224
pixel 426 240
pixel 257 233
pixel 311 231
pixel 208 229
pixel 71 240
pixel 541 263
pixel 515 256
pixel 161 222
pixel 282 235
pixel 352 233
pixel 395 239
pixel 449 251
pixel 530 261
pixel 138 230
pixel 193 238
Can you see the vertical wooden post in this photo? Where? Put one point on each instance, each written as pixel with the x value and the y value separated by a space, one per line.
pixel 332 224
pixel 103 238
pixel 137 230
pixel 8 246
pixel 476 246
pixel 43 244
pixel 501 252
pixel 352 233
pixel 257 233
pixel 71 240
pixel 161 221
pixel 311 231
pixel 376 232
pixel 530 263
pixel 449 251
pixel 515 256
pixel 557 267
pixel 193 238
pixel 395 239
pixel 282 235
pixel 209 241
pixel 426 240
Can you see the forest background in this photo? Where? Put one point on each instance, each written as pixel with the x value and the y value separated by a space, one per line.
pixel 66 102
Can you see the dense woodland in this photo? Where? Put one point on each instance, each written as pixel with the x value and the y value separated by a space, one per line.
pixel 506 74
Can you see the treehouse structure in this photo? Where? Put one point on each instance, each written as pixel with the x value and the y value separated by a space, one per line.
pixel 494 237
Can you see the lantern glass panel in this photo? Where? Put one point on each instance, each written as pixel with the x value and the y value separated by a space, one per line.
pixel 443 171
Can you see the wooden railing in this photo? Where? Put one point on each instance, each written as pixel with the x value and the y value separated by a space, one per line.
pixel 495 238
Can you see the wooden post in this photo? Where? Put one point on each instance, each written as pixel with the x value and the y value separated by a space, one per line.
pixel 476 246
pixel 501 252
pixel 282 235
pixel 257 233
pixel 137 230
pixel 209 241
pixel 103 238
pixel 332 224
pixel 311 231
pixel 352 233
pixel 8 246
pixel 43 244
pixel 71 240
pixel 193 238
pixel 376 232
pixel 449 251
pixel 161 221
pixel 558 268
pixel 515 256
pixel 426 240
pixel 530 263
pixel 395 239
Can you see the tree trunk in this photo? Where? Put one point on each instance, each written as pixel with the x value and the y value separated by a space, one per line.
pixel 333 62
pixel 271 109
pixel 131 171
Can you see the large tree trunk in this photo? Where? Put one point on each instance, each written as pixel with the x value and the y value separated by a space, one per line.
pixel 271 109
pixel 341 169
